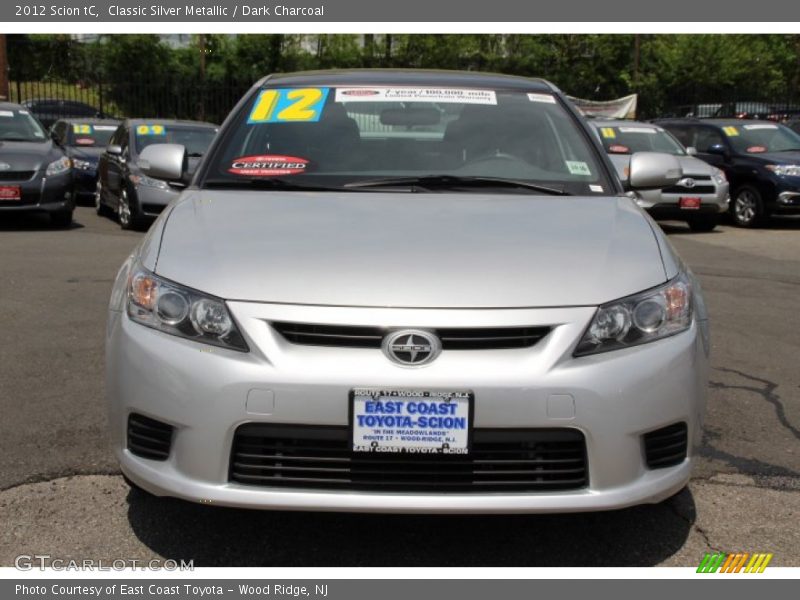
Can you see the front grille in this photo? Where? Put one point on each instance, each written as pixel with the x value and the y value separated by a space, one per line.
pixel 461 338
pixel 149 438
pixel 666 447
pixel 16 175
pixel 507 460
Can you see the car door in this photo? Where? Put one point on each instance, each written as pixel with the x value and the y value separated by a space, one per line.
pixel 116 163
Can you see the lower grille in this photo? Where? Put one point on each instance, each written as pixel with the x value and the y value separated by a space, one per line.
pixel 149 438
pixel 16 175
pixel 508 460
pixel 666 447
pixel 689 191
pixel 461 338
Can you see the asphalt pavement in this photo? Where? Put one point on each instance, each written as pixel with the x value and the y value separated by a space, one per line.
pixel 61 493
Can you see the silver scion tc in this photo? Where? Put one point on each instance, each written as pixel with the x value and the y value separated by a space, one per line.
pixel 406 291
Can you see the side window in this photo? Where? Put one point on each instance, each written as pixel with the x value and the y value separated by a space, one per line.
pixel 684 135
pixel 707 137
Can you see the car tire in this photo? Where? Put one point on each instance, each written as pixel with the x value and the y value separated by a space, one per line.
pixel 747 207
pixel 61 219
pixel 128 213
pixel 101 209
pixel 703 223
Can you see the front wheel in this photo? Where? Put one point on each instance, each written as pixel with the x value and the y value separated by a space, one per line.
pixel 703 223
pixel 747 207
pixel 128 213
pixel 100 208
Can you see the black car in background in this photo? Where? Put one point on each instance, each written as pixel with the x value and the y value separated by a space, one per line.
pixel 35 174
pixel 743 110
pixel 761 160
pixel 122 188
pixel 50 110
pixel 83 141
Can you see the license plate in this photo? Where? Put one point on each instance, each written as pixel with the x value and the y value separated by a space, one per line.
pixel 10 192
pixel 410 421
pixel 690 202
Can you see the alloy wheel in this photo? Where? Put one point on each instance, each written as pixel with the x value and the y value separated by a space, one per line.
pixel 745 206
pixel 124 210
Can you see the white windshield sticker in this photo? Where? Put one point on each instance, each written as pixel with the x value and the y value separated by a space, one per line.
pixel 23 112
pixel 542 98
pixel 6 113
pixel 577 167
pixel 637 129
pixel 761 126
pixel 596 188
pixel 105 127
pixel 408 94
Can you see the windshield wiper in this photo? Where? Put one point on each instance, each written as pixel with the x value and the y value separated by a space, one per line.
pixel 194 154
pixel 17 139
pixel 271 183
pixel 453 181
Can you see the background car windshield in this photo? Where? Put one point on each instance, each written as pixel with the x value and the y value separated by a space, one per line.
pixel 20 126
pixel 90 135
pixel 195 139
pixel 639 138
pixel 756 138
pixel 330 136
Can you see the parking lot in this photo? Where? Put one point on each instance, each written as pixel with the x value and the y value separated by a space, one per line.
pixel 61 493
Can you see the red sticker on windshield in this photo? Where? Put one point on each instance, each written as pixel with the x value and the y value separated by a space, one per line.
pixel 268 165
pixel 756 149
pixel 619 149
pixel 84 141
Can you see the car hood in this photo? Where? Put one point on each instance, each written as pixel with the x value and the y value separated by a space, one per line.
pixel 28 156
pixel 409 250
pixel 778 158
pixel 691 166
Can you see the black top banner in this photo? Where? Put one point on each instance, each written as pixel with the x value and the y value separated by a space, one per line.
pixel 465 11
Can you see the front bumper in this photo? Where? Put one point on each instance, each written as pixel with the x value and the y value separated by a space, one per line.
pixel 661 204
pixel 84 182
pixel 203 393
pixel 42 194
pixel 153 201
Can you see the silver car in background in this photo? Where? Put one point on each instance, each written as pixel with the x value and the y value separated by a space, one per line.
pixel 698 198
pixel 406 291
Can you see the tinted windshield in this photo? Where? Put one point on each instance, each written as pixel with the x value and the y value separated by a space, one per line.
pixel 757 138
pixel 87 134
pixel 346 135
pixel 195 139
pixel 627 139
pixel 20 126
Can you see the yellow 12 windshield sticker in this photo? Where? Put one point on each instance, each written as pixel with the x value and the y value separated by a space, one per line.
pixel 288 105
pixel 151 130
pixel 730 131
pixel 608 133
pixel 82 129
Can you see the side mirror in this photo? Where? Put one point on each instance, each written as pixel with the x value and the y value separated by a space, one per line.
pixel 163 161
pixel 114 150
pixel 653 170
pixel 719 149
pixel 691 151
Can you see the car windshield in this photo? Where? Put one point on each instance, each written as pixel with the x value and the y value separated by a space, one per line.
pixel 627 139
pixel 195 139
pixel 89 134
pixel 20 126
pixel 757 138
pixel 356 137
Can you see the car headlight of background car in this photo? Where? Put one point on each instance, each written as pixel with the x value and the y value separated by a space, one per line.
pixel 61 165
pixel 146 181
pixel 718 175
pixel 83 165
pixel 181 311
pixel 639 319
pixel 785 170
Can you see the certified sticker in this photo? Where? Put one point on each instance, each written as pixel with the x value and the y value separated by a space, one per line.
pixel 84 141
pixel 619 149
pixel 268 165
pixel 756 149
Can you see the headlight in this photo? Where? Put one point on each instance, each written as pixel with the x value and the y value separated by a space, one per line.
pixel 148 182
pixel 83 165
pixel 178 310
pixel 639 319
pixel 785 170
pixel 58 166
pixel 718 175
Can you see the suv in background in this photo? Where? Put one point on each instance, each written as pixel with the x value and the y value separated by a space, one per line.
pixel 760 158
pixel 743 110
pixel 698 198
pixel 50 110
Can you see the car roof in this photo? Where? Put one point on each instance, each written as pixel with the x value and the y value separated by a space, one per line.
pixel 179 122
pixel 11 106
pixel 424 77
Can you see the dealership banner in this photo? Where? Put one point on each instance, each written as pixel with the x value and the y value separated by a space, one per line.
pixel 621 108
pixel 511 11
